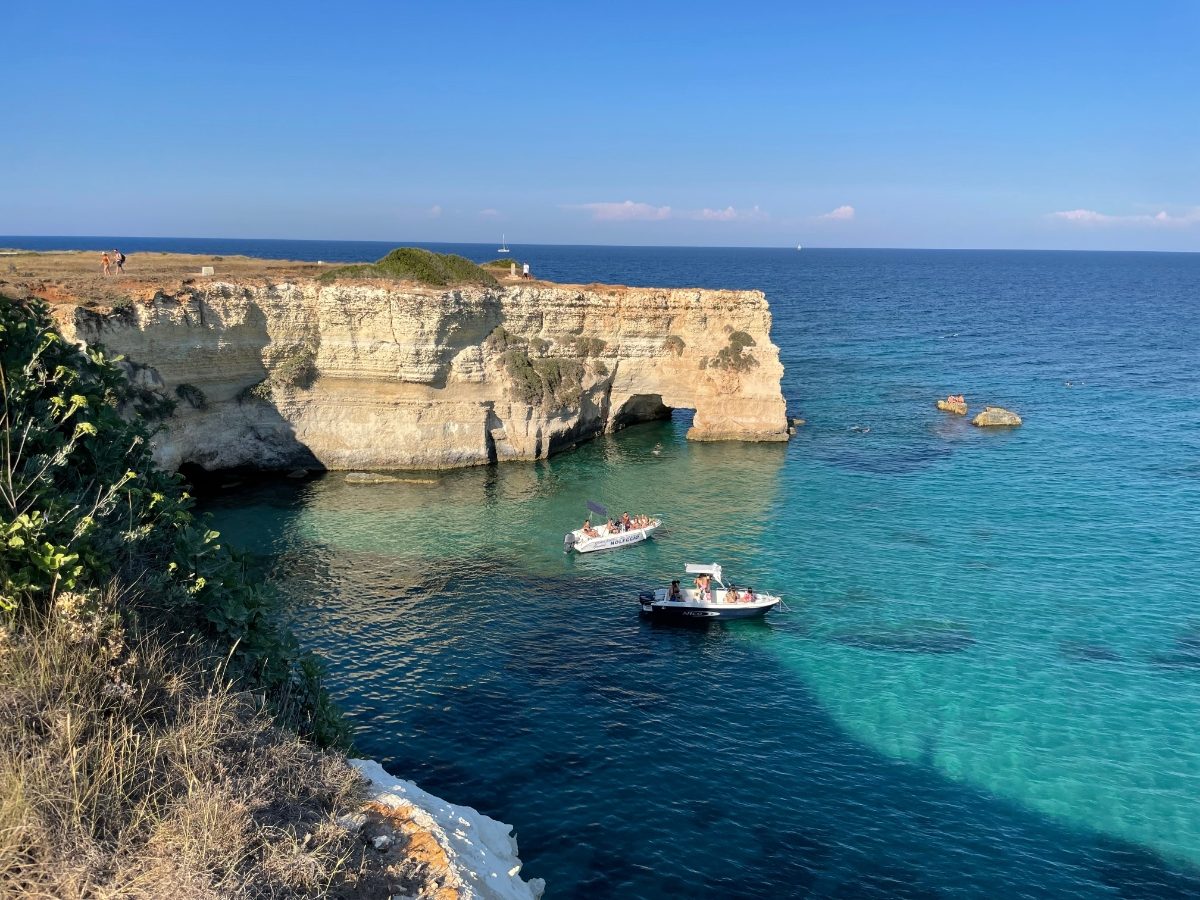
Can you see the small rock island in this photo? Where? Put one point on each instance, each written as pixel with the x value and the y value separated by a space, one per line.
pixel 996 416
pixel 417 361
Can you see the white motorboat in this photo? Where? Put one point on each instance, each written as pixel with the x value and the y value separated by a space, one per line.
pixel 605 538
pixel 712 601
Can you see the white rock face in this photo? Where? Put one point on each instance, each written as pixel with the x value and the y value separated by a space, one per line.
pixel 481 850
pixel 386 375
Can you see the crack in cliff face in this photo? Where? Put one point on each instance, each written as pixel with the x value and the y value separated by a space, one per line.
pixel 405 377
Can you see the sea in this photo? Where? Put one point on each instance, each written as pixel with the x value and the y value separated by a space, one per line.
pixel 986 680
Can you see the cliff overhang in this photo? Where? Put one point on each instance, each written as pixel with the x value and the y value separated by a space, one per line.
pixel 350 374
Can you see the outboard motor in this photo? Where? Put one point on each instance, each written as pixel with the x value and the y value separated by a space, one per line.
pixel 568 542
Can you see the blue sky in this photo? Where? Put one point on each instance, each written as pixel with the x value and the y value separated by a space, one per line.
pixel 1009 124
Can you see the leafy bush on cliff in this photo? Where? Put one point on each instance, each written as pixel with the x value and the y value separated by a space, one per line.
pixel 193 395
pixel 588 346
pixel 553 382
pixel 526 384
pixel 732 358
pixel 740 340
pixel 674 344
pixel 502 339
pixel 82 506
pixel 562 381
pixel 421 266
pixel 295 367
pixel 258 392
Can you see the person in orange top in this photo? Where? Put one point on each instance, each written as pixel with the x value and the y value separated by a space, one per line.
pixel 105 262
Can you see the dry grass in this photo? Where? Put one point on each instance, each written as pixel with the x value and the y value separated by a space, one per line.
pixel 126 771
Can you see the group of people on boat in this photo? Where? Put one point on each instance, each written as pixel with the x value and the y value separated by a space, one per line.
pixel 625 523
pixel 705 595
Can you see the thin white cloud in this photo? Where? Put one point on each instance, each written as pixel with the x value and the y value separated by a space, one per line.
pixel 729 214
pixel 1161 219
pixel 489 213
pixel 434 211
pixel 841 214
pixel 627 211
pixel 630 211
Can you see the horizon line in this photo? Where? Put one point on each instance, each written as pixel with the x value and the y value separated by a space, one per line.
pixel 134 237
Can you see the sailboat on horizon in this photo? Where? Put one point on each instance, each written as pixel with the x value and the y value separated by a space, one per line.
pixel 503 244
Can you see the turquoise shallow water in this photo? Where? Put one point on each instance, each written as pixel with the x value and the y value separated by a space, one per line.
pixel 989 680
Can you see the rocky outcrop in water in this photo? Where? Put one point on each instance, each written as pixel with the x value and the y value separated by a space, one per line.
pixel 384 375
pixel 993 416
pixel 958 407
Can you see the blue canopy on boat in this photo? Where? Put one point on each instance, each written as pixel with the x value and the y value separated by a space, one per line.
pixel 597 508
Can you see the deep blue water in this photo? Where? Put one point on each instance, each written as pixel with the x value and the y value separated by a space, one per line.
pixel 988 682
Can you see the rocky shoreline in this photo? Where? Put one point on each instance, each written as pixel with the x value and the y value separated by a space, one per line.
pixel 450 852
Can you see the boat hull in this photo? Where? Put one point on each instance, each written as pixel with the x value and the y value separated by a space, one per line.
pixel 611 541
pixel 712 612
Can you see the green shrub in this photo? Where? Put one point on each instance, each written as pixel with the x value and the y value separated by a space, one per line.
pixel 588 346
pixel 539 345
pixel 552 382
pixel 731 358
pixel 193 395
pixel 526 383
pixel 740 340
pixel 502 339
pixel 601 369
pixel 421 266
pixel 259 392
pixel 674 344
pixel 295 367
pixel 562 381
pixel 83 505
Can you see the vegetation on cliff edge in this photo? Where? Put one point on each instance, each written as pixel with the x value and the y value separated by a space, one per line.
pixel 83 507
pixel 421 266
pixel 151 709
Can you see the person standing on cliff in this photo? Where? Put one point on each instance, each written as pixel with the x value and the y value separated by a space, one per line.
pixel 105 263
pixel 525 271
pixel 119 258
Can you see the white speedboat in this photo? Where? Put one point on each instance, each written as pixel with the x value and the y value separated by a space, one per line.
pixel 605 538
pixel 716 601
pixel 608 540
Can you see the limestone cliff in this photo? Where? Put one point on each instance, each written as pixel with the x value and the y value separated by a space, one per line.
pixel 378 374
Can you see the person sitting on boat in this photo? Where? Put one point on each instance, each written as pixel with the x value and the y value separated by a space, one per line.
pixel 748 597
pixel 731 594
pixel 702 588
pixel 626 522
pixel 612 527
pixel 588 530
pixel 675 594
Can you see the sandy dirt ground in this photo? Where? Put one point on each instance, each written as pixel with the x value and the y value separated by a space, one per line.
pixel 77 276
